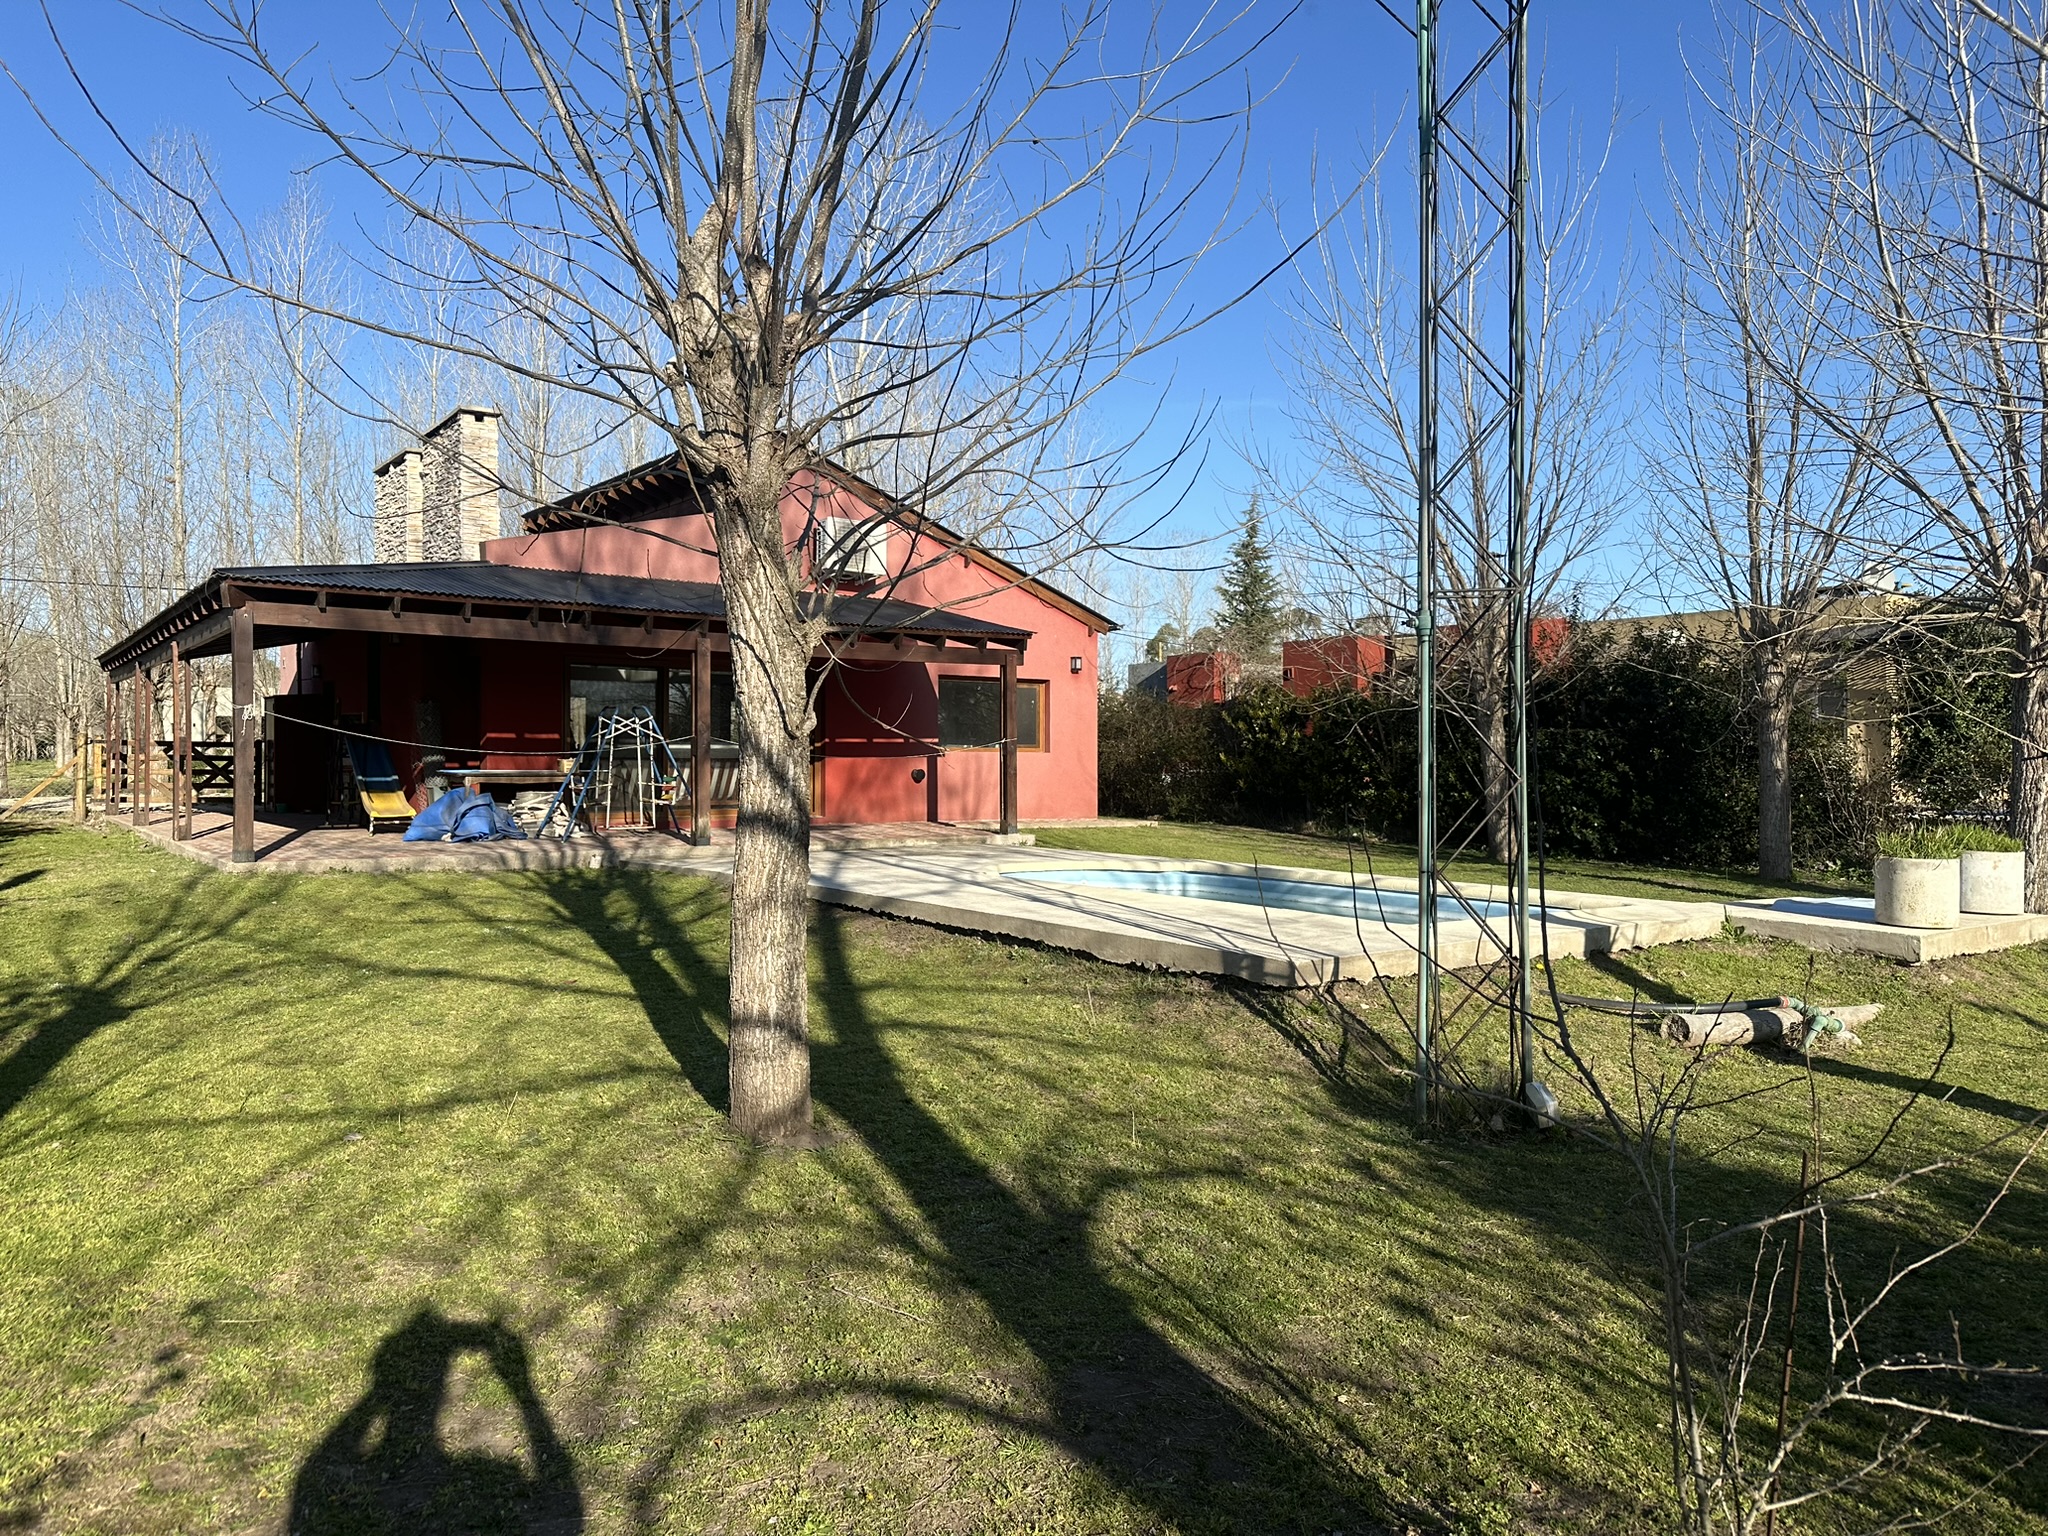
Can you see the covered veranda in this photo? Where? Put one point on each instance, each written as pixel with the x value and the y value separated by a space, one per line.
pixel 563 617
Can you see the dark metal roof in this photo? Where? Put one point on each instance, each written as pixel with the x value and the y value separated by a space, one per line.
pixel 657 485
pixel 482 581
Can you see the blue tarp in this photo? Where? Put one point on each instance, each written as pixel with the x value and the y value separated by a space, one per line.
pixel 463 816
pixel 484 820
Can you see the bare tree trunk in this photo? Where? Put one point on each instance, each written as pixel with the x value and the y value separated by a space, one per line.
pixel 770 1064
pixel 1498 779
pixel 768 1053
pixel 2030 754
pixel 1773 713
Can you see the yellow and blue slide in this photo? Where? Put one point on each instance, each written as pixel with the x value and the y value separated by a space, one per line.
pixel 377 782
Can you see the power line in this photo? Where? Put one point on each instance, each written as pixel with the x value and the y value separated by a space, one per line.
pixel 82 581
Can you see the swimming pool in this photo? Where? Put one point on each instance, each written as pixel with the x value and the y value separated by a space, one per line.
pixel 1250 890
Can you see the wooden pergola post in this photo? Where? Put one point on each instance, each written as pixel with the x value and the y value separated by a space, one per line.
pixel 110 759
pixel 140 789
pixel 81 766
pixel 700 737
pixel 242 640
pixel 181 746
pixel 1008 812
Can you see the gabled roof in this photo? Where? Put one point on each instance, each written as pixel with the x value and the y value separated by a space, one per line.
pixel 666 485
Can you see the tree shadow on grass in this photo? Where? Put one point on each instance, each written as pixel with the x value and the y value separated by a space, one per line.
pixel 631 919
pixel 1584 1195
pixel 1936 1092
pixel 1633 984
pixel 384 1466
pixel 69 981
pixel 1122 1398
pixel 1124 1401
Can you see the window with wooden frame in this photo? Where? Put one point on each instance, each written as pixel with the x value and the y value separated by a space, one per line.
pixel 1032 699
pixel 971 714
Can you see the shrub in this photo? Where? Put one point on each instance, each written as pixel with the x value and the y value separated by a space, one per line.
pixel 1157 760
pixel 1975 837
pixel 1952 716
pixel 1931 840
pixel 1644 753
pixel 1340 761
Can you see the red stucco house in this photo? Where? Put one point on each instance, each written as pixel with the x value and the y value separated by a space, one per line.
pixel 469 651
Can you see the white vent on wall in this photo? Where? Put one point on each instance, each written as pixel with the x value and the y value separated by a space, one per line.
pixel 850 548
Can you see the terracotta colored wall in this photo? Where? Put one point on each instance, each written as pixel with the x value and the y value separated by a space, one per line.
pixel 872 771
pixel 1201 677
pixel 1335 661
pixel 682 548
pixel 1547 638
pixel 335 664
pixel 1060 781
pixel 488 693
pixel 867 775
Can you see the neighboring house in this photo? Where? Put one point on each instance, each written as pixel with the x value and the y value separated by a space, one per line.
pixel 1192 679
pixel 1202 677
pixel 1851 679
pixel 1305 668
pixel 502 650
pixel 1343 663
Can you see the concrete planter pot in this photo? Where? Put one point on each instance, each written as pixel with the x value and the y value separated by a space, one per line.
pixel 1995 882
pixel 1918 893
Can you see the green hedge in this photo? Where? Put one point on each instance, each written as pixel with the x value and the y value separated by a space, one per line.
pixel 1953 709
pixel 1643 754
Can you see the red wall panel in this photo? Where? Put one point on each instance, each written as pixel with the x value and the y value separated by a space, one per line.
pixel 867 776
pixel 1335 661
pixel 1201 677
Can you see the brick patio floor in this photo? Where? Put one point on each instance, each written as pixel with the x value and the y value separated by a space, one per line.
pixel 302 845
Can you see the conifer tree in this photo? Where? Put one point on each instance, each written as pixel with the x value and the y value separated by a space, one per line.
pixel 1248 593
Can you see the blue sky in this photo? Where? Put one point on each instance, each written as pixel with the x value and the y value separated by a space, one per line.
pixel 1340 75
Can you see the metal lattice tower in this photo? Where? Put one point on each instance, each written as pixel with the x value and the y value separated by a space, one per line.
pixel 1472 155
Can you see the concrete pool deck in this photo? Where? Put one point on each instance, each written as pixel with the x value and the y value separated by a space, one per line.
pixel 977 891
pixel 1848 924
pixel 964 877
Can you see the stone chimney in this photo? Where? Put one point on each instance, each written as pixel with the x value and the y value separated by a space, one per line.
pixel 439 501
pixel 399 520
pixel 459 485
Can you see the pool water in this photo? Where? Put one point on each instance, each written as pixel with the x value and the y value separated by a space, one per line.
pixel 1249 890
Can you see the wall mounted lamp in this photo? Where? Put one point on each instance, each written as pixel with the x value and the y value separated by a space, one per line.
pixel 1073 663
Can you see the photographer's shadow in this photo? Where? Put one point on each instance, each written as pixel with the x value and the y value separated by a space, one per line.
pixel 384 1467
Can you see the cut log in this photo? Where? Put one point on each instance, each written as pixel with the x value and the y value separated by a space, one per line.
pixel 1760 1026
pixel 1757 1026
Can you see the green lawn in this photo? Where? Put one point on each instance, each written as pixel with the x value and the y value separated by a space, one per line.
pixel 26 775
pixel 354 1202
